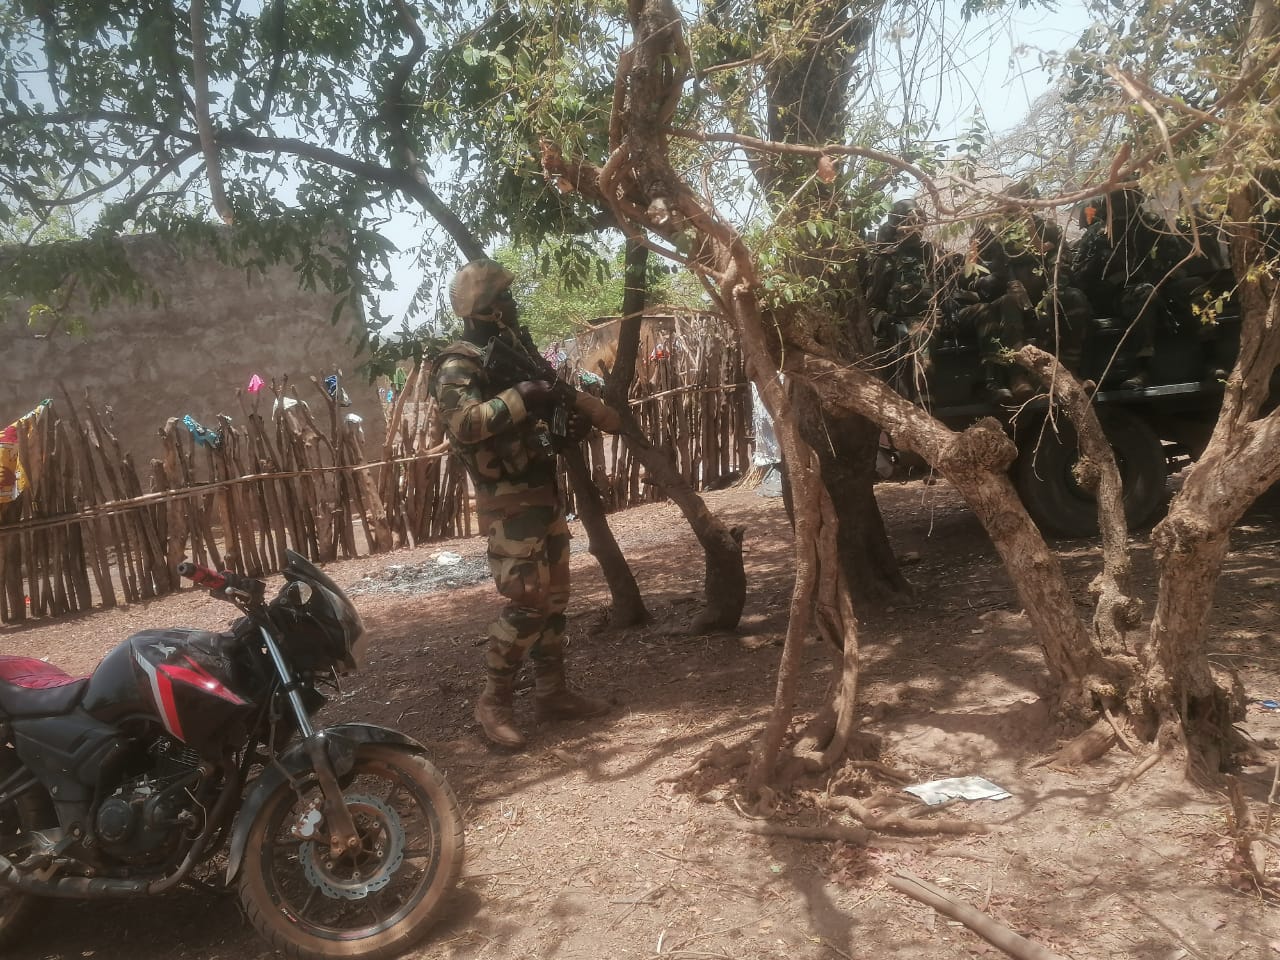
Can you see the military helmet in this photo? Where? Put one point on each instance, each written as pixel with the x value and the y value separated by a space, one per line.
pixel 477 285
pixel 902 210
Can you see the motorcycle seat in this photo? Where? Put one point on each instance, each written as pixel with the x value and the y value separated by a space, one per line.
pixel 33 688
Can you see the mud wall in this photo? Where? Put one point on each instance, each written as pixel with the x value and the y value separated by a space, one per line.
pixel 199 333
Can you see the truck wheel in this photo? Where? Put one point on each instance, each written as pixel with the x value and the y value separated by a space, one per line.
pixel 1045 478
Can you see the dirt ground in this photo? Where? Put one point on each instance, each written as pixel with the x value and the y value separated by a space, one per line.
pixel 577 851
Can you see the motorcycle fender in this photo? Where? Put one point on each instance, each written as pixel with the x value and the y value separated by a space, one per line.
pixel 341 742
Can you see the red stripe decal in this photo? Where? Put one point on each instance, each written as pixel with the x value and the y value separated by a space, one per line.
pixel 164 686
pixel 199 678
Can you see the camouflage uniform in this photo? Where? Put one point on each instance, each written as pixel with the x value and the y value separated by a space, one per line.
pixel 518 504
pixel 901 295
pixel 1133 268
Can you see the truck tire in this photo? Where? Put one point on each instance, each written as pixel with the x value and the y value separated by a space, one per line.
pixel 1044 477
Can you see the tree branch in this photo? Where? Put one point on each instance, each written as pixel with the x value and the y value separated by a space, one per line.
pixel 128 208
pixel 395 114
pixel 417 188
pixel 1116 611
pixel 208 141
pixel 993 932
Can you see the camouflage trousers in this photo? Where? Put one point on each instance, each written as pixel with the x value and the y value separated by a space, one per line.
pixel 998 325
pixel 529 560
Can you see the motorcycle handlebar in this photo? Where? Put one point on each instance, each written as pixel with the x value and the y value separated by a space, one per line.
pixel 222 583
pixel 202 576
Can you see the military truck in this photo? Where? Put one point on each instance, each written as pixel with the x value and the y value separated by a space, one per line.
pixel 1152 428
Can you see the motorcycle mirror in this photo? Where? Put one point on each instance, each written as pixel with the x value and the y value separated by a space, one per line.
pixel 297 593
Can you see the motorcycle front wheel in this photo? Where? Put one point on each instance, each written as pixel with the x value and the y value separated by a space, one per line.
pixel 372 904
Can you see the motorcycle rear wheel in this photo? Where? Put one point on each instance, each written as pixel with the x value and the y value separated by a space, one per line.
pixel 373 905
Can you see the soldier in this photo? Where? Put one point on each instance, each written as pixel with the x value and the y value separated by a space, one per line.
pixel 902 276
pixel 494 427
pixel 1063 311
pixel 997 316
pixel 1121 262
pixel 901 292
pixel 1010 266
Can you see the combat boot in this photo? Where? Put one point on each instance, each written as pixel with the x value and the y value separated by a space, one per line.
pixel 494 711
pixel 552 698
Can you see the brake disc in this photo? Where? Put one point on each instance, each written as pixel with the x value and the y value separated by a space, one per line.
pixel 355 876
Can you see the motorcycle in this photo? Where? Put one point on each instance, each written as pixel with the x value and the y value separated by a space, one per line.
pixel 343 841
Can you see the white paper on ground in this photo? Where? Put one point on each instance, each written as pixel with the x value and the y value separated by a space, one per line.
pixel 958 788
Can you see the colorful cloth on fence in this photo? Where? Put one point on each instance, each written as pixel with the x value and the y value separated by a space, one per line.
pixel 555 355
pixel 203 436
pixel 589 380
pixel 12 479
pixel 256 383
pixel 335 391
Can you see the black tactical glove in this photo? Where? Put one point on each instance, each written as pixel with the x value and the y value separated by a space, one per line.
pixel 536 395
pixel 579 427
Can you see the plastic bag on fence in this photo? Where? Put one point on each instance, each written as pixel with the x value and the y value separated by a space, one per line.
pixel 767 451
pixel 203 436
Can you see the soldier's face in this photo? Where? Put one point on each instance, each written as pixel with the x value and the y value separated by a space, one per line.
pixel 505 310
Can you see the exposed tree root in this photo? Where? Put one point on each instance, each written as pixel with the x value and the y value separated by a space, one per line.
pixel 896 823
pixel 1084 749
pixel 1115 725
pixel 886 771
pixel 1130 778
pixel 1249 864
pixel 716 757
pixel 995 933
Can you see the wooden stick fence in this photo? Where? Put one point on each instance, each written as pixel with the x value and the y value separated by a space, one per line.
pixel 690 395
pixel 89 532
pixel 83 534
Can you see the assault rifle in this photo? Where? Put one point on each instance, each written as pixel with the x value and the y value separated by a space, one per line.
pixel 505 364
pixel 508 365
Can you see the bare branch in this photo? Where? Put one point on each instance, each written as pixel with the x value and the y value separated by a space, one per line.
pixel 208 141
pixel 395 113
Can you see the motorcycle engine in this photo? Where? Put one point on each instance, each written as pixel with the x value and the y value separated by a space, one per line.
pixel 141 820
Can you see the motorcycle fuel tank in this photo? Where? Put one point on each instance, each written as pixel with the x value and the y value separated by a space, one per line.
pixel 185 678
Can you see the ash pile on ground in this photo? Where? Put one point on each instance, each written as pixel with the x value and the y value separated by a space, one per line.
pixel 444 571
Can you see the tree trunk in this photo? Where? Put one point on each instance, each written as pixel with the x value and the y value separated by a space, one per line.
pixel 1241 461
pixel 725 586
pixel 846 449
pixel 808 98
pixel 627 608
pixel 976 461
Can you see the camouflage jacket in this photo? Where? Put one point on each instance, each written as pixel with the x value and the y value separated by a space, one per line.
pixel 1144 252
pixel 489 428
pixel 902 279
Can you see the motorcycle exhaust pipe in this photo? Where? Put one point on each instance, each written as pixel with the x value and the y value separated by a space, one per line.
pixel 102 888
pixel 69 888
